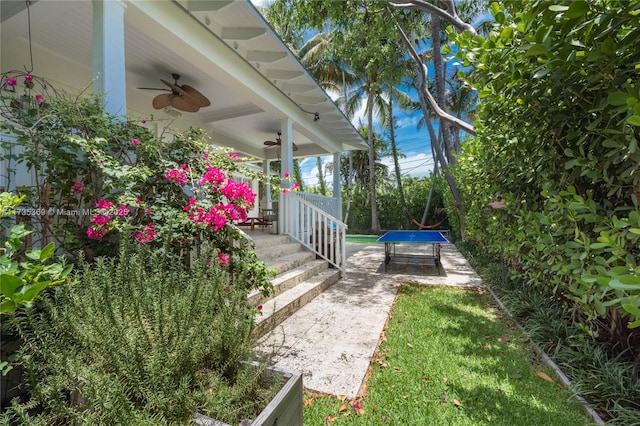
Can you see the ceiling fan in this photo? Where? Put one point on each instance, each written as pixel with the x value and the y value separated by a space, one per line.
pixel 278 142
pixel 184 98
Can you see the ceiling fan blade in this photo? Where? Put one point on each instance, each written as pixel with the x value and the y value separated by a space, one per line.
pixel 184 104
pixel 199 97
pixel 271 143
pixel 295 147
pixel 174 87
pixel 153 88
pixel 162 101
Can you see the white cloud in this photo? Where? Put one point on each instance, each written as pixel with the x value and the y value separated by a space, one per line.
pixel 417 165
pixel 408 121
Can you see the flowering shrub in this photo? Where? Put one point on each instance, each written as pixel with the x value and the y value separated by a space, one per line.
pixel 109 174
pixel 22 93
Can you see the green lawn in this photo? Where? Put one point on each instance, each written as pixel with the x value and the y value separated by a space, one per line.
pixel 450 358
pixel 362 239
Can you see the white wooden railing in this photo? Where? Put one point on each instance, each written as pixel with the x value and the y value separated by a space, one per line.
pixel 316 229
pixel 330 205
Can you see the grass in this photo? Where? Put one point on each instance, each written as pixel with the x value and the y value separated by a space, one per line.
pixel 448 357
pixel 362 239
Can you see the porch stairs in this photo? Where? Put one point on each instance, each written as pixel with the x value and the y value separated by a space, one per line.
pixel 300 278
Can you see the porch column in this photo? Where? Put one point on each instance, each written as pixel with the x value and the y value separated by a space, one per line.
pixel 266 171
pixel 286 167
pixel 108 55
pixel 337 183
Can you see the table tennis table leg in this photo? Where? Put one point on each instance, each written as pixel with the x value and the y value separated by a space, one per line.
pixel 387 255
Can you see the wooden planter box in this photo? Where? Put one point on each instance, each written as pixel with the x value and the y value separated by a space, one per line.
pixel 284 409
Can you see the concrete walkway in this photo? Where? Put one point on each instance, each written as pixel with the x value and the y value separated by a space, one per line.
pixel 333 338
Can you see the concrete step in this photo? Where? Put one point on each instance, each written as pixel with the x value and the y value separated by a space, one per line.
pixel 289 261
pixel 279 308
pixel 278 250
pixel 290 279
pixel 266 240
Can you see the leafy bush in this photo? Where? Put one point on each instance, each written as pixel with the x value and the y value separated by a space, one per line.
pixel 24 276
pixel 142 340
pixel 558 139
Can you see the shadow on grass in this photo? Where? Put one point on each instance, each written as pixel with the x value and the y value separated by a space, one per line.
pixel 465 351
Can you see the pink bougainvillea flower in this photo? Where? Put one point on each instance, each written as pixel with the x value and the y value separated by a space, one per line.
pixel 148 211
pixel 213 176
pixel 233 156
pixel 28 78
pixel 143 122
pixel 206 156
pixel 138 201
pixel 286 174
pixel 284 190
pixel 39 98
pixel 102 204
pixel 135 141
pixel 259 307
pixel 295 186
pixel 147 234
pixel 77 186
pixel 10 81
pixel 122 210
pixel 223 258
pixel 100 219
pixel 178 176
pixel 209 263
pixel 239 192
pixel 96 233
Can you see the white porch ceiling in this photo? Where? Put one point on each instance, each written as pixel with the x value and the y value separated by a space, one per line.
pixel 239 115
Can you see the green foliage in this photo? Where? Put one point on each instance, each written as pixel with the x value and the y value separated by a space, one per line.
pixel 24 277
pixel 416 195
pixel 558 139
pixel 141 340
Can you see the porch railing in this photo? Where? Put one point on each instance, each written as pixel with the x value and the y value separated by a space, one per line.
pixel 316 229
pixel 329 205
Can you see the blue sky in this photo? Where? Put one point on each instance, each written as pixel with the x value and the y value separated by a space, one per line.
pixel 414 144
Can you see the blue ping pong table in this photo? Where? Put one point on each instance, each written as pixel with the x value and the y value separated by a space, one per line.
pixel 391 238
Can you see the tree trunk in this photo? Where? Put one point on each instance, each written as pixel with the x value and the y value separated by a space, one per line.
pixel 394 151
pixel 375 222
pixel 349 188
pixel 441 159
pixel 438 68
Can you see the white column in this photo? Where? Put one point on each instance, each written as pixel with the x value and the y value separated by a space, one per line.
pixel 337 183
pixel 286 166
pixel 266 171
pixel 108 55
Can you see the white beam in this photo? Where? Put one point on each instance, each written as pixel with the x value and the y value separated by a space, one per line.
pixel 239 33
pixel 265 56
pixel 232 112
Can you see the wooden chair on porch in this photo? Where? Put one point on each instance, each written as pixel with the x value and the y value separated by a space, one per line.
pixel 270 217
